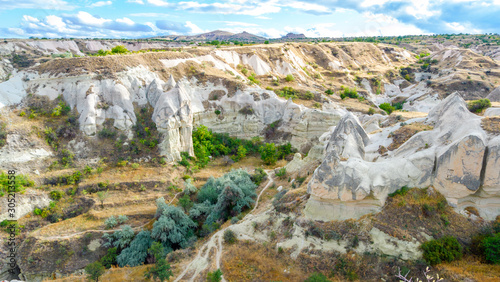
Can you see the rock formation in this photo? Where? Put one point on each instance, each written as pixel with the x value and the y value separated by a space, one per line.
pixel 456 158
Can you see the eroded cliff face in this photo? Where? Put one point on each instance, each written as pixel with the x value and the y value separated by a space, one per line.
pixel 457 158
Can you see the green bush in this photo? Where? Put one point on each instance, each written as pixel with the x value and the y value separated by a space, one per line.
pixel 478 106
pixel 269 153
pixel 110 258
pixel 329 92
pixel 400 192
pixel 387 108
pixel 258 176
pixel 21 183
pixel 111 222
pixel 3 134
pixel 230 236
pixel 56 195
pixel 120 49
pixel 445 249
pixel 94 271
pixel 281 173
pixel 347 92
pixel 173 228
pixel 215 276
pixel 491 247
pixel 161 270
pixel 289 78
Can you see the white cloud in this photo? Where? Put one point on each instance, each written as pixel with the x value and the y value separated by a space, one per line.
pixel 36 4
pixel 308 7
pixel 159 3
pixel 421 10
pixel 100 4
pixel 263 18
pixel 230 23
pixel 135 1
pixel 126 21
pixel 194 28
pixel 87 19
pixel 30 19
pixel 151 15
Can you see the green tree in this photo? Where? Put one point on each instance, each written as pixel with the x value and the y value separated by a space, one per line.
pixel 136 253
pixel 102 195
pixel 110 258
pixel 268 153
pixel 161 271
pixel 242 152
pixel 173 228
pixel 94 271
pixel 492 249
pixel 446 249
pixel 120 49
pixel 215 276
pixel 185 202
pixel 387 108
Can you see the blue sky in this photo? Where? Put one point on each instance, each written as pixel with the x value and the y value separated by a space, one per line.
pixel 268 18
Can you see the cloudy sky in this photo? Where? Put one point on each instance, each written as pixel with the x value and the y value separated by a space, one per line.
pixel 268 18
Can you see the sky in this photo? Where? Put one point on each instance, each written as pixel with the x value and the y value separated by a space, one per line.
pixel 267 18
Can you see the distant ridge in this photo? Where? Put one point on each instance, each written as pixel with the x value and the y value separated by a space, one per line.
pixel 220 35
pixel 294 36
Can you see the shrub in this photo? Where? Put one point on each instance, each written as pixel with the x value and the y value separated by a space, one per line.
pixel 3 134
pixel 217 112
pixel 106 133
pixel 289 78
pixel 268 153
pixel 329 91
pixel 348 92
pixel 120 49
pixel 234 220
pixel 387 108
pixel 110 258
pixel 281 173
pixel 400 192
pixel 215 276
pixel 491 247
pixel 94 271
pixel 478 106
pixel 56 195
pixel 229 236
pixel 258 176
pixel 446 249
pixel 161 270
pixel 21 183
pixel 111 222
pixel 371 111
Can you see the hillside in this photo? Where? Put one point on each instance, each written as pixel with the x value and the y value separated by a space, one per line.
pixel 268 162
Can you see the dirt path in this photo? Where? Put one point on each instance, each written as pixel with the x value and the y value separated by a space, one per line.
pixel 62 237
pixel 202 260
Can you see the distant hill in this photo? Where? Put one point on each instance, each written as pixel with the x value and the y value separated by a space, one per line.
pixel 294 36
pixel 217 35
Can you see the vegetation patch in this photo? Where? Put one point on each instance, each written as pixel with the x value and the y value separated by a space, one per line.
pixel 405 132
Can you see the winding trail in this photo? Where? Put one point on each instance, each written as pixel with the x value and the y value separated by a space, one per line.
pixel 62 237
pixel 202 260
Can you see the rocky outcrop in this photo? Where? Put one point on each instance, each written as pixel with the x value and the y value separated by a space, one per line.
pixel 26 203
pixel 456 158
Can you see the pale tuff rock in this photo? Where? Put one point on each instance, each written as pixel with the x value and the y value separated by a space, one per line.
pixel 453 158
pixel 18 149
pixel 494 96
pixel 173 116
pixel 349 138
pixel 25 204
pixel 491 112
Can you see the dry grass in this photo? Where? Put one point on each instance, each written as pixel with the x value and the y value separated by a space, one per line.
pixel 423 211
pixel 249 261
pixel 491 124
pixel 114 274
pixel 470 267
pixel 400 136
